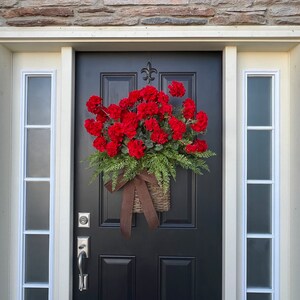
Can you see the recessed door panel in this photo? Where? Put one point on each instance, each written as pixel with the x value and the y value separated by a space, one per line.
pixel 117 278
pixel 177 278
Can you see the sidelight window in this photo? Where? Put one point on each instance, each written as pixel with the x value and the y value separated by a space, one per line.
pixel 261 194
pixel 37 184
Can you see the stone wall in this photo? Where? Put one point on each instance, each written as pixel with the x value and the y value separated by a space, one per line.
pixel 148 12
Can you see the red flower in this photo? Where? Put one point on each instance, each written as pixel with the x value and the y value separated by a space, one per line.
pixel 102 116
pixel 129 116
pixel 124 103
pixel 162 97
pixel 94 104
pixel 166 109
pixel 189 108
pixel 149 93
pixel 136 148
pixel 197 146
pixel 159 137
pixel 100 143
pixel 130 130
pixel 142 111
pixel 151 124
pixel 116 132
pixel 93 127
pixel 134 96
pixel 114 111
pixel 130 123
pixel 202 121
pixel 201 146
pixel 178 128
pixel 176 89
pixel 112 149
pixel 147 109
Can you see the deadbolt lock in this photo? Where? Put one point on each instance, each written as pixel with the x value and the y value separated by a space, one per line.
pixel 84 220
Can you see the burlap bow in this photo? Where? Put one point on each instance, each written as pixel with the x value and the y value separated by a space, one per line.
pixel 138 184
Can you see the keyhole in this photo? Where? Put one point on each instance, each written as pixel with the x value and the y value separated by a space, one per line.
pixel 83 220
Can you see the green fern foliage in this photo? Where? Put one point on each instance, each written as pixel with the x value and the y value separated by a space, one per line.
pixel 162 164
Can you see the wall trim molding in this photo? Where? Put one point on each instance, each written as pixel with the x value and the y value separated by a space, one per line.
pixel 148 32
pixel 246 38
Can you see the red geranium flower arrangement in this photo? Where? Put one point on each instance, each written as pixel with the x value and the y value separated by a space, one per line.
pixel 145 132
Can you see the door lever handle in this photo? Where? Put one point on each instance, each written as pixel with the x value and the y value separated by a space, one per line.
pixel 82 253
pixel 82 277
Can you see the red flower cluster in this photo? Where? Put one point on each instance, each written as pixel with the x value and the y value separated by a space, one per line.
pixel 201 123
pixel 189 108
pixel 146 119
pixel 178 128
pixel 176 89
pixel 197 146
pixel 159 136
pixel 136 148
pixel 94 104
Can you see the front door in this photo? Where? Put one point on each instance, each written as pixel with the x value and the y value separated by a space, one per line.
pixel 182 259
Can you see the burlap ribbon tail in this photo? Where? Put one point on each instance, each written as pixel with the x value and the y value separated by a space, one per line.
pixel 129 187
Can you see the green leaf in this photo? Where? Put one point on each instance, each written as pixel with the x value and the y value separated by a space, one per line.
pixel 158 147
pixel 149 144
pixel 175 146
pixel 124 150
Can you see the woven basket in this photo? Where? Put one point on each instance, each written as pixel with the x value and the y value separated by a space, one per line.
pixel 161 201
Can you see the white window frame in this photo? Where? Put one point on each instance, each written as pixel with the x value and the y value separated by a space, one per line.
pixel 275 182
pixel 25 74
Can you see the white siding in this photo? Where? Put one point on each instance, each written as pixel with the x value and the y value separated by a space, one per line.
pixel 5 167
pixel 295 173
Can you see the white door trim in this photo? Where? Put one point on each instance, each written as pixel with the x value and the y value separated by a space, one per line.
pixel 230 161
pixel 64 179
pixel 64 183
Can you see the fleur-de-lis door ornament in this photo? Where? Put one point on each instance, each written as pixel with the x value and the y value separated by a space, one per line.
pixel 148 72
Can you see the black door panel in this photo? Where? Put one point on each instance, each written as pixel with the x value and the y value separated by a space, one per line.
pixel 183 258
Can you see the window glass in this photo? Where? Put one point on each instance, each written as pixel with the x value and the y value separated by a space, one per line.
pixel 259 108
pixel 259 208
pixel 36 258
pixel 39 100
pixel 36 294
pixel 259 263
pixel 38 152
pixel 261 296
pixel 37 205
pixel 259 152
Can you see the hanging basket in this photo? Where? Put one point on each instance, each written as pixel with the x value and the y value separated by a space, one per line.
pixel 141 191
pixel 161 200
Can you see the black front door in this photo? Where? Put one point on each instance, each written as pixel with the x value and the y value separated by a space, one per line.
pixel 182 260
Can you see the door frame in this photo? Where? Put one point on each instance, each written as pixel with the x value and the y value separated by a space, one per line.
pixel 229 197
pixel 230 40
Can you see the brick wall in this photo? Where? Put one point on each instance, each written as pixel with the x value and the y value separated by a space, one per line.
pixel 148 12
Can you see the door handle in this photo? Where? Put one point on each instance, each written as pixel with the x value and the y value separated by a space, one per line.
pixel 82 253
pixel 82 277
